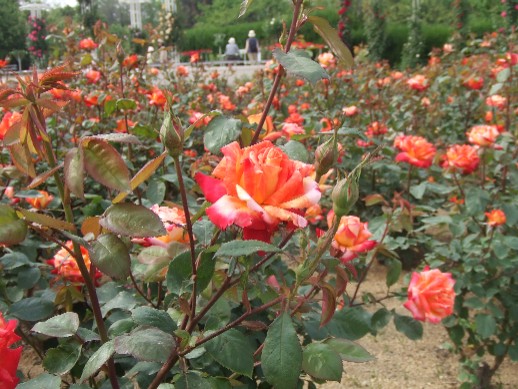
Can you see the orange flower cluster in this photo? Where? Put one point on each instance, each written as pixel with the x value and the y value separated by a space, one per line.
pixel 415 150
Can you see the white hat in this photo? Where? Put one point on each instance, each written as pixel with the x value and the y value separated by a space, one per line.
pixel 251 34
pixel 232 41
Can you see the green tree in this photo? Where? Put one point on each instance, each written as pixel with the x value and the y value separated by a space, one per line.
pixel 13 29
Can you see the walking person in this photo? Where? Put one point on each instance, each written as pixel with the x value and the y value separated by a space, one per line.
pixel 231 50
pixel 252 46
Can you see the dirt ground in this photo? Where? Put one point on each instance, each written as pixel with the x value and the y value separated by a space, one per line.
pixel 400 363
pixel 405 364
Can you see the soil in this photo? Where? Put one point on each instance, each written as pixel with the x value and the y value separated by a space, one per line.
pixel 400 363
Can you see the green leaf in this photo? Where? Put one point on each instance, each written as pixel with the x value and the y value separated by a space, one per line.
pixel 28 278
pixel 191 380
pixel 281 358
pixel 153 317
pixel 32 309
pixel 225 347
pixel 321 361
pixel 61 359
pixel 476 201
pixel 407 325
pixel 110 254
pixel 418 190
pixel 333 40
pixel 349 351
pixel 123 300
pixel 146 344
pixel 244 6
pixel 118 137
pixel 485 325
pixel 503 75
pixel 155 192
pixel 298 63
pixel 296 150
pixel 220 132
pixel 109 107
pixel 12 229
pixel 104 163
pixel 47 221
pixel 380 319
pixel 126 104
pixel 237 248
pixel 74 172
pixel 511 242
pixel 133 220
pixel 60 326
pixel 179 274
pixel 394 271
pixel 43 380
pixel 348 323
pixel 97 360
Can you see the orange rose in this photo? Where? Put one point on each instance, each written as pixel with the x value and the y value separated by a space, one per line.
pixel 130 61
pixel 351 238
pixel 474 83
pixel 258 187
pixel 419 83
pixel 415 150
pixel 122 127
pixel 182 71
pixel 350 111
pixel 87 44
pixel 482 135
pixel 375 129
pixel 327 60
pixel 40 202
pixel 462 157
pixel 65 265
pixel 496 101
pixel 7 121
pixel 430 295
pixel 156 97
pixel 93 76
pixel 496 217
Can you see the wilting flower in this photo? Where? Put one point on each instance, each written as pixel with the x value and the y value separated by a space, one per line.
pixel 462 157
pixel 93 76
pixel 258 187
pixel 482 135
pixel 430 295
pixel 174 223
pixel 9 357
pixel 351 238
pixel 496 217
pixel 418 83
pixel 65 264
pixel 42 201
pixel 87 44
pixel 415 150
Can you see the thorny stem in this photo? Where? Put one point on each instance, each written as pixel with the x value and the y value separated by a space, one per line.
pixel 188 223
pixel 139 291
pixel 94 301
pixel 280 70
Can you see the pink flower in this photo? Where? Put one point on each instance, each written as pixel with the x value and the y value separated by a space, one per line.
pixel 430 295
pixel 258 187
pixel 351 238
pixel 482 135
pixel 419 83
pixel 9 357
pixel 350 111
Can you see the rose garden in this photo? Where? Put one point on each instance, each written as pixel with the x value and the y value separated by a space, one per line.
pixel 175 225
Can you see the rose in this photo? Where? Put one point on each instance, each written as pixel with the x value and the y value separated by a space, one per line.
pixel 351 238
pixel 430 295
pixel 258 187
pixel 93 76
pixel 174 222
pixel 9 358
pixel 416 150
pixel 66 266
pixel 87 44
pixel 42 201
pixel 462 157
pixel 496 217
pixel 482 135
pixel 418 83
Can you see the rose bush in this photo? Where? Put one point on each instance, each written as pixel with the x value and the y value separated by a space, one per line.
pixel 207 235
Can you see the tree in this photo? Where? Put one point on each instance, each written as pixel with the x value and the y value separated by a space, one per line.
pixel 13 27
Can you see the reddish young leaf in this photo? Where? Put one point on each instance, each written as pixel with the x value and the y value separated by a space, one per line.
pixel 328 303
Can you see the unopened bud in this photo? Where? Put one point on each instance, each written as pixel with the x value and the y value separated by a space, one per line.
pixel 326 155
pixel 344 196
pixel 120 52
pixel 172 135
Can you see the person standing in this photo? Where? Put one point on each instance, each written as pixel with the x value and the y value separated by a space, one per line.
pixel 252 46
pixel 231 50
